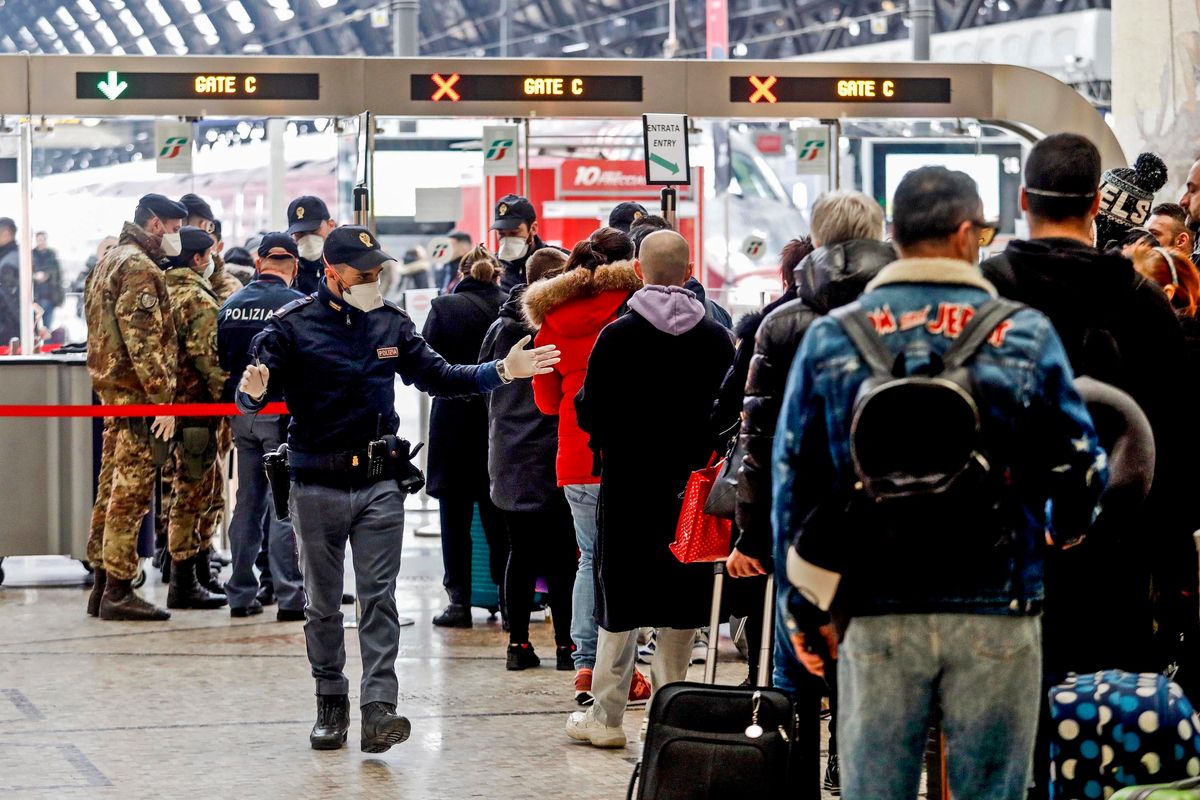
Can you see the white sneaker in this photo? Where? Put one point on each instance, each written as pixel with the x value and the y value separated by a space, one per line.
pixel 700 647
pixel 646 652
pixel 583 727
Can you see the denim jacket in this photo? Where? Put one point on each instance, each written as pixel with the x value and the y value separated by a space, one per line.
pixel 1026 392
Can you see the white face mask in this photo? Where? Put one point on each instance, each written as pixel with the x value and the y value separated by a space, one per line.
pixel 512 248
pixel 364 296
pixel 172 244
pixel 310 247
pixel 209 269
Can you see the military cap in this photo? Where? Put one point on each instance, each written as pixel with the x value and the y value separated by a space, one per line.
pixel 196 207
pixel 194 240
pixel 512 211
pixel 355 246
pixel 277 244
pixel 625 214
pixel 305 214
pixel 163 207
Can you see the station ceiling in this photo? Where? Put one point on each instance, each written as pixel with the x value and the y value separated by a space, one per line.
pixel 759 29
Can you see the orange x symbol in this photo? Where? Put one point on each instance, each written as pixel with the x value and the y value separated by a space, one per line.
pixel 764 88
pixel 444 89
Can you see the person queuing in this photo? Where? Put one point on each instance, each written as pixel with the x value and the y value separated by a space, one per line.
pixel 516 224
pixel 457 463
pixel 643 226
pixel 133 359
pixel 921 638
pixel 336 355
pixel 242 318
pixel 10 281
pixel 309 223
pixel 571 310
pixel 47 278
pixel 1168 225
pixel 522 443
pixel 446 274
pixel 643 471
pixel 199 379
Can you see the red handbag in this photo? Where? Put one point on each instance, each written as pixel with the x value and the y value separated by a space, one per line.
pixel 698 536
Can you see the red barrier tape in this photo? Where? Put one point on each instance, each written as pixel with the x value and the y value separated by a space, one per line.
pixel 179 410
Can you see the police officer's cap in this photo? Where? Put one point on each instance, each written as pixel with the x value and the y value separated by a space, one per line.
pixel 305 214
pixel 194 240
pixel 196 207
pixel 163 207
pixel 355 246
pixel 512 211
pixel 277 245
pixel 625 214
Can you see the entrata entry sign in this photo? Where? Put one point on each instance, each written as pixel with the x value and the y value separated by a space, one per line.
pixel 666 140
pixel 117 85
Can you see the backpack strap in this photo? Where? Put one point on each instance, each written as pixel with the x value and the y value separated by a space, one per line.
pixel 977 331
pixel 865 338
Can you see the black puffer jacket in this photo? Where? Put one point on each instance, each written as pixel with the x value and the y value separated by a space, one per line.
pixel 828 278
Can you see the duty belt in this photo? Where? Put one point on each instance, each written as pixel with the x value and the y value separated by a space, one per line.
pixel 328 462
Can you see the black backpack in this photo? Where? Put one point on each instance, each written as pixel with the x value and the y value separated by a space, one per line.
pixel 918 439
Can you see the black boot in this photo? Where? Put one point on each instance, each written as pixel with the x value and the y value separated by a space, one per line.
pixel 382 728
pixel 333 720
pixel 100 578
pixel 120 602
pixel 186 591
pixel 521 656
pixel 204 574
pixel 455 616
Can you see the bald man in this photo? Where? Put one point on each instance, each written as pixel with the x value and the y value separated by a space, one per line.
pixel 646 418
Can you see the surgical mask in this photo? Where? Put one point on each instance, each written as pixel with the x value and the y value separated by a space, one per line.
pixel 172 244
pixel 364 296
pixel 310 247
pixel 512 248
pixel 209 269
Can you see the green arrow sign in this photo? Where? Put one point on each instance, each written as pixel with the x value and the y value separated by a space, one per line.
pixel 662 162
pixel 112 87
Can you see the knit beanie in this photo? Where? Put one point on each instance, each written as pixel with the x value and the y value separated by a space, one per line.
pixel 1126 197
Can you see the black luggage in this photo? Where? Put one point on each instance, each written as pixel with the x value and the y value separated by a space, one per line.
pixel 709 742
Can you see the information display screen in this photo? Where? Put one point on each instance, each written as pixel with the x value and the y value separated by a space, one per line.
pixel 453 87
pixel 774 89
pixel 115 85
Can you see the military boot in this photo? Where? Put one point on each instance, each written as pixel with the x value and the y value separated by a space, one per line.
pixel 204 574
pixel 120 602
pixel 333 721
pixel 382 727
pixel 100 578
pixel 186 591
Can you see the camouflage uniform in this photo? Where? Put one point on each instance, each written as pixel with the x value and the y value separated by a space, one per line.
pixel 132 357
pixel 194 308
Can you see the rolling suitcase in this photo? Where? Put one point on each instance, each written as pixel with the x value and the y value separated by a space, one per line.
pixel 1116 729
pixel 709 742
pixel 484 591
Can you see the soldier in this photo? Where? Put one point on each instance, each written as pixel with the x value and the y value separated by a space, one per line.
pixel 200 379
pixel 132 357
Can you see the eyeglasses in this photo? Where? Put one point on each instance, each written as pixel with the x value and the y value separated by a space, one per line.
pixel 987 231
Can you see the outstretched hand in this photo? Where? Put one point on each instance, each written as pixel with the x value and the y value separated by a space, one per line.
pixel 522 363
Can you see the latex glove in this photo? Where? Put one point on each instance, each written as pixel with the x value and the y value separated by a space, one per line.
pixel 743 566
pixel 254 381
pixel 813 661
pixel 522 363
pixel 163 428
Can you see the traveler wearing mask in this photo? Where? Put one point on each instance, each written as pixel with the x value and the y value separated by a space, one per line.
pixel 242 318
pixel 308 224
pixel 516 224
pixel 199 379
pixel 132 358
pixel 336 355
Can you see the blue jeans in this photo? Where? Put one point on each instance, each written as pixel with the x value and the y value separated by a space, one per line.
pixel 981 673
pixel 584 500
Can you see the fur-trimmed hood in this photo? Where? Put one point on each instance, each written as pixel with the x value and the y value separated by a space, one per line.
pixel 932 270
pixel 545 297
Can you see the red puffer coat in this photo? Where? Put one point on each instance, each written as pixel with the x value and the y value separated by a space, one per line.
pixel 569 311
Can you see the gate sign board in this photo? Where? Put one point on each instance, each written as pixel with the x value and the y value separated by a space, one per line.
pixel 812 150
pixel 499 149
pixel 173 147
pixel 115 84
pixel 666 141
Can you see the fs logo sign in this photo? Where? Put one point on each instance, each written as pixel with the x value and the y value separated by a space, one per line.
pixel 439 250
pixel 811 150
pixel 754 246
pixel 173 147
pixel 497 149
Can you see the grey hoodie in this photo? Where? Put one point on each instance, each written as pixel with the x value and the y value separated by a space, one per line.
pixel 671 309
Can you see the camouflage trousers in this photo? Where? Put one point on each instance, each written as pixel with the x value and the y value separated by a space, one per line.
pixel 122 500
pixel 195 505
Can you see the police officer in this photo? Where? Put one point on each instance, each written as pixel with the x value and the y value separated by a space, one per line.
pixel 309 223
pixel 336 355
pixel 242 318
pixel 200 379
pixel 516 223
pixel 132 357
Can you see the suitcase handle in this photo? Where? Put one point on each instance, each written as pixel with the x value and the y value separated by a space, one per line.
pixel 637 771
pixel 714 625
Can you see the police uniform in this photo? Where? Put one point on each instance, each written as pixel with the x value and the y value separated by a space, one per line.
pixel 336 366
pixel 242 318
pixel 305 214
pixel 512 211
pixel 132 357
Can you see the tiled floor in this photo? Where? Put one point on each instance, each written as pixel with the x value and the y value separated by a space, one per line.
pixel 222 707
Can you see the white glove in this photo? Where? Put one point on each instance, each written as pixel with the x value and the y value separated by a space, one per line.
pixel 254 381
pixel 522 363
pixel 163 428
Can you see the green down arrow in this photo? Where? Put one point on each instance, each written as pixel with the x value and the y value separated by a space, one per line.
pixel 662 162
